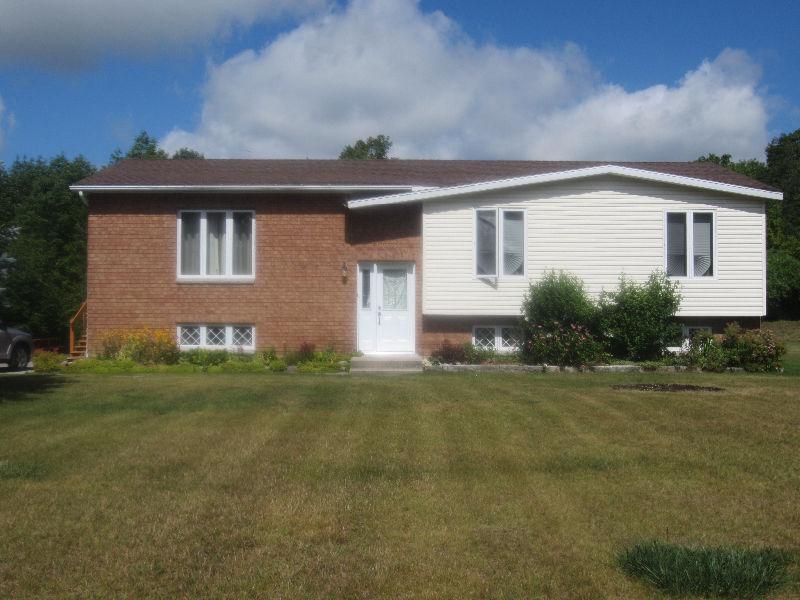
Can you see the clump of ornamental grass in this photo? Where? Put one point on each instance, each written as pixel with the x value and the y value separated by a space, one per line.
pixel 710 572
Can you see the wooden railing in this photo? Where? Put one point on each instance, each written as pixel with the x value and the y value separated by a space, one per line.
pixel 77 327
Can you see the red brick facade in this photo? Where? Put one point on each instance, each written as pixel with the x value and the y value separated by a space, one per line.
pixel 299 293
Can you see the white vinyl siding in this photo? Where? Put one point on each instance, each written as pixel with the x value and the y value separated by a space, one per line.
pixel 596 228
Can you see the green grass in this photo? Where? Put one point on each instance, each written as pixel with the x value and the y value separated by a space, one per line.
pixel 426 486
pixel 724 572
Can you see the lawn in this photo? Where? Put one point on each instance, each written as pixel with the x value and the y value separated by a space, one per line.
pixel 426 486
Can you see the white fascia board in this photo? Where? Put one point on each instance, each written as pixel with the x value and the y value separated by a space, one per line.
pixel 246 188
pixel 501 184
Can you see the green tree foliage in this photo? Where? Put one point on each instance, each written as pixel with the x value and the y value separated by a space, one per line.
pixel 186 154
pixel 146 146
pixel 374 148
pixel 46 281
pixel 783 164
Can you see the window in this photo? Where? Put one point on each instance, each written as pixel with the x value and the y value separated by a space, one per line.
pixel 215 244
pixel 506 248
pixel 496 338
pixel 366 275
pixel 228 337
pixel 690 244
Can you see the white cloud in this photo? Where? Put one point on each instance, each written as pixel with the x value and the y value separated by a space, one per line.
pixel 384 66
pixel 69 34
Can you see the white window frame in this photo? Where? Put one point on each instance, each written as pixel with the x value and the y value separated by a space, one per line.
pixel 498 337
pixel 499 255
pixel 228 275
pixel 690 244
pixel 228 337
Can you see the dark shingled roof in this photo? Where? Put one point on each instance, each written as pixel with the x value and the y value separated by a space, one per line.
pixel 253 172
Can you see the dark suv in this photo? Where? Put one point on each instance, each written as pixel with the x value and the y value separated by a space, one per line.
pixel 16 347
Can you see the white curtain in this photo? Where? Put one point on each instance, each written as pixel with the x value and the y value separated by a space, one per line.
pixel 676 244
pixel 190 244
pixel 215 243
pixel 513 243
pixel 703 244
pixel 242 244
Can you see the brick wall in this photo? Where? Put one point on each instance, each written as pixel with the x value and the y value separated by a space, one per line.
pixel 299 293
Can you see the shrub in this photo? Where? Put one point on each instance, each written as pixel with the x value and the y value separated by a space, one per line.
pixel 277 365
pixel 48 362
pixel 558 344
pixel 143 346
pixel 724 572
pixel 242 365
pixel 638 319
pixel 306 351
pixel 449 353
pixel 205 358
pixel 268 355
pixel 707 353
pixel 559 297
pixel 326 361
pixel 754 350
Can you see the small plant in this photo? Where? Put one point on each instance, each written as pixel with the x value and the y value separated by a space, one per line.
pixel 327 361
pixel 449 353
pixel 276 365
pixel 48 362
pixel 557 344
pixel 753 350
pixel 723 572
pixel 143 346
pixel 205 358
pixel 707 353
pixel 559 297
pixel 268 355
pixel 306 351
pixel 638 319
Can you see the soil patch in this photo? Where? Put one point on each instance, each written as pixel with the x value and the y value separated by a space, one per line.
pixel 667 387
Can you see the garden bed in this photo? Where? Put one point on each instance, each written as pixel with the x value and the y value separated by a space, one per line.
pixel 519 368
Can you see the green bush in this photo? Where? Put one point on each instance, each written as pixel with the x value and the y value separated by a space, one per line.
pixel 754 349
pixel 637 320
pixel 564 345
pixel 707 353
pixel 461 354
pixel 276 365
pixel 326 361
pixel 722 572
pixel 561 298
pixel 241 365
pixel 268 355
pixel 143 346
pixel 203 357
pixel 48 362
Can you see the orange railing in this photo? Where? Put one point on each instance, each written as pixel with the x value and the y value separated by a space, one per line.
pixel 77 327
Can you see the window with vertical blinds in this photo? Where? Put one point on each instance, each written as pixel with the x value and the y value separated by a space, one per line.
pixel 486 242
pixel 513 242
pixel 690 244
pixel 215 244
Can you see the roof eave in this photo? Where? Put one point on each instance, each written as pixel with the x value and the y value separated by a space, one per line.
pixel 500 184
pixel 82 188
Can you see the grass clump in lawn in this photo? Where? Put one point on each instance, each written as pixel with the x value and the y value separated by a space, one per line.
pixel 19 470
pixel 721 572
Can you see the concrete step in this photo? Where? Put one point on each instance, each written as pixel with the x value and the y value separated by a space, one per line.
pixel 386 363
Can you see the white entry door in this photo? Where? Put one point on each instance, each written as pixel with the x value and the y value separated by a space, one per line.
pixel 386 307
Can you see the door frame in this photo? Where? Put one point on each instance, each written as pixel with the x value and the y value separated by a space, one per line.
pixel 412 302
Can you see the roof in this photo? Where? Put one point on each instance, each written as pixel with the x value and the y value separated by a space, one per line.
pixel 391 175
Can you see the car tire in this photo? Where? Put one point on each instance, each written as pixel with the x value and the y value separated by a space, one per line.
pixel 20 357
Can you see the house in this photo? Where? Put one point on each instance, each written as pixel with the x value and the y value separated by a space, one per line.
pixel 396 256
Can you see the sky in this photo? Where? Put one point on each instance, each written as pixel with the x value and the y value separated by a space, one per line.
pixel 443 78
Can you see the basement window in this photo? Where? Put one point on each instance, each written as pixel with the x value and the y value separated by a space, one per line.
pixel 221 337
pixel 503 339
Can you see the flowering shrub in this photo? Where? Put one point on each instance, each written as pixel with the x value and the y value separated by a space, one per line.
pixel 143 346
pixel 559 344
pixel 754 349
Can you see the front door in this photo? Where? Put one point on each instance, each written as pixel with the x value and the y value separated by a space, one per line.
pixel 386 308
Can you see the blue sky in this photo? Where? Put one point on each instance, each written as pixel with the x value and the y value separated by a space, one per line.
pixel 446 78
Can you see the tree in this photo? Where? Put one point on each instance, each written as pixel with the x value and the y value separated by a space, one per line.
pixel 46 281
pixel 374 148
pixel 187 154
pixel 146 146
pixel 783 164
